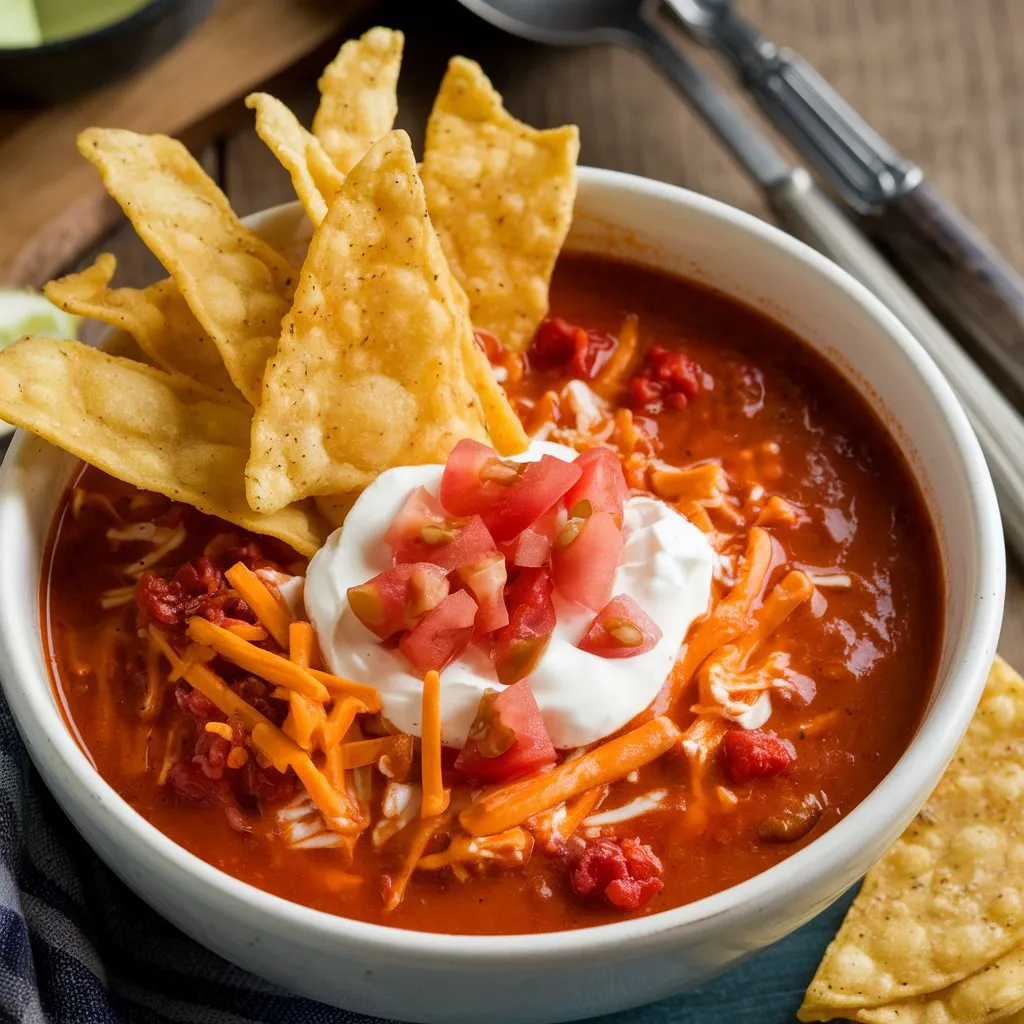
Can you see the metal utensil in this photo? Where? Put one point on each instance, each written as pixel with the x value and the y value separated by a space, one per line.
pixel 803 208
pixel 947 260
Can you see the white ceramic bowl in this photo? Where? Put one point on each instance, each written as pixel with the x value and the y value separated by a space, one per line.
pixel 564 976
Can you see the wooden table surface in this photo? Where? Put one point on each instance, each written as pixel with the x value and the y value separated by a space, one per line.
pixel 940 79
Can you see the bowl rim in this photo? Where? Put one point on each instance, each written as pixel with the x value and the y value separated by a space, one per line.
pixel 930 749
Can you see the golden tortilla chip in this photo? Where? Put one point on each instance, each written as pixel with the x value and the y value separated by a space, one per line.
pixel 500 194
pixel 947 901
pixel 358 97
pixel 336 507
pixel 314 177
pixel 995 993
pixel 157 317
pixel 237 286
pixel 144 426
pixel 504 426
pixel 370 372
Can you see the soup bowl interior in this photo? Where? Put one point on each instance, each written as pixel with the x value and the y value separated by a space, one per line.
pixel 567 975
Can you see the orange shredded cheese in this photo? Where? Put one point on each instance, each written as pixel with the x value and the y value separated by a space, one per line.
pixel 338 686
pixel 269 743
pixel 305 716
pixel 221 729
pixel 339 720
pixel 238 757
pixel 511 805
pixel 265 664
pixel 617 370
pixel 435 797
pixel 426 829
pixel 728 620
pixel 272 612
pixel 363 752
pixel 247 631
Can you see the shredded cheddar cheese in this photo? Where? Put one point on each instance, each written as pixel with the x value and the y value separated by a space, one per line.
pixel 270 610
pixel 265 664
pixel 511 805
pixel 435 797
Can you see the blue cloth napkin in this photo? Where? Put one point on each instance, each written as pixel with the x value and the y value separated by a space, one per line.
pixel 78 947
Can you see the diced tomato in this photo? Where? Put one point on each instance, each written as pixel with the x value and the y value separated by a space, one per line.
pixel 509 496
pixel 602 483
pixel 559 343
pixel 421 509
pixel 398 597
pixel 625 874
pixel 423 533
pixel 755 754
pixel 622 629
pixel 585 557
pixel 667 379
pixel 442 634
pixel 531 612
pixel 532 547
pixel 485 580
pixel 508 739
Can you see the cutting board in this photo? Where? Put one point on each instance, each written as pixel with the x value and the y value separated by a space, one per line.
pixel 53 202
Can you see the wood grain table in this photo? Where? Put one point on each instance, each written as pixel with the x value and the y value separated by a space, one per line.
pixel 940 79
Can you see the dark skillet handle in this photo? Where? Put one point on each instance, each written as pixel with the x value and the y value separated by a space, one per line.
pixel 957 273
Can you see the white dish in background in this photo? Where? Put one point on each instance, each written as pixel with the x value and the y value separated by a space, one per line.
pixel 416 976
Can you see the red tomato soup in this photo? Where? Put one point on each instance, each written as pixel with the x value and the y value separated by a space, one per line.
pixel 199 692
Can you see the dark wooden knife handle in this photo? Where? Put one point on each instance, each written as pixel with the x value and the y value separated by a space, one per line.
pixel 957 272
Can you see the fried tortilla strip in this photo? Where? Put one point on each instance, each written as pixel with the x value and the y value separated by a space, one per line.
pixel 370 372
pixel 144 426
pixel 947 901
pixel 314 177
pixel 995 993
pixel 237 286
pixel 157 317
pixel 500 194
pixel 358 97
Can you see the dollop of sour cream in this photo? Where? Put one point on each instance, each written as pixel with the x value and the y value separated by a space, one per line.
pixel 666 568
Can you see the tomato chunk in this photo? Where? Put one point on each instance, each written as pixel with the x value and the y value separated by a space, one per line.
pixel 509 496
pixel 442 634
pixel 622 629
pixel 755 754
pixel 602 483
pixel 585 557
pixel 485 580
pixel 531 614
pixel 532 547
pixel 559 343
pixel 508 739
pixel 422 532
pixel 666 380
pixel 398 597
pixel 624 874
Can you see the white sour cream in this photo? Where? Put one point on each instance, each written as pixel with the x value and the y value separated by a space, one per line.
pixel 666 568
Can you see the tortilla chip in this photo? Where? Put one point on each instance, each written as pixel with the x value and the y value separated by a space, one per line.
pixel 500 194
pixel 370 372
pixel 158 318
pixel 358 96
pixel 237 286
pixel 993 994
pixel 947 901
pixel 314 177
pixel 504 426
pixel 336 507
pixel 144 426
